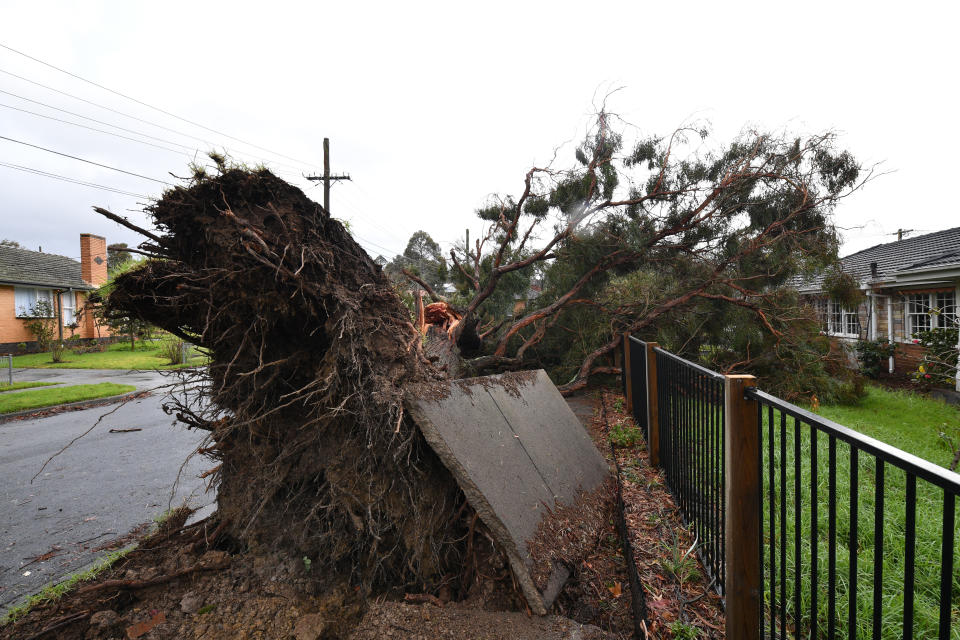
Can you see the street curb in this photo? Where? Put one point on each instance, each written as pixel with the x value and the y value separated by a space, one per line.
pixel 70 406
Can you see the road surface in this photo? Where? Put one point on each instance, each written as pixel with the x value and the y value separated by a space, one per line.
pixel 98 490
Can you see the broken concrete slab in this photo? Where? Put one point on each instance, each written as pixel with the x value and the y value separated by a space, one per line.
pixel 517 451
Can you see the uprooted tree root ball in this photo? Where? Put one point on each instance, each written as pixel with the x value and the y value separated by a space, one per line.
pixel 310 347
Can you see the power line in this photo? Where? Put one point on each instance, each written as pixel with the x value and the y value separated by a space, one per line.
pixel 108 124
pixel 73 180
pixel 132 117
pixel 67 155
pixel 83 126
pixel 150 106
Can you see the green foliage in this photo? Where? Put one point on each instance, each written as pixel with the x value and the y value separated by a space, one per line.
pixel 939 367
pixel 171 349
pixel 683 631
pixel 124 325
pixel 873 355
pixel 618 405
pixel 423 258
pixel 680 563
pixel 115 356
pixel 902 419
pixel 701 252
pixel 623 435
pixel 843 288
pixel 24 385
pixel 42 324
pixel 117 257
pixel 36 398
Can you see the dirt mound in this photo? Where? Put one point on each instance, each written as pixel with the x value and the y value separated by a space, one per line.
pixel 310 347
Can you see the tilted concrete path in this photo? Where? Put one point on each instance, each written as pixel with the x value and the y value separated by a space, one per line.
pixel 517 450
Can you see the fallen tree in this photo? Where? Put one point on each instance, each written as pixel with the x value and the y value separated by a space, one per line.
pixel 728 226
pixel 310 348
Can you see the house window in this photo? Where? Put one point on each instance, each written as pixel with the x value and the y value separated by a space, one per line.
pixel 841 321
pixel 926 311
pixel 27 299
pixel 68 306
pixel 946 305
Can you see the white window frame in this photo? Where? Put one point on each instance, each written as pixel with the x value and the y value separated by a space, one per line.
pixel 838 319
pixel 68 307
pixel 34 293
pixel 941 310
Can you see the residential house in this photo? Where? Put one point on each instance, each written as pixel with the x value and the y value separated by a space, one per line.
pixel 911 285
pixel 27 277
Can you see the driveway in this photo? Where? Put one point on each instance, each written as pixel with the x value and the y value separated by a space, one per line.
pixel 95 492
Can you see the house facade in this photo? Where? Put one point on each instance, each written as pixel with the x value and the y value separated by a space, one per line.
pixel 911 285
pixel 30 278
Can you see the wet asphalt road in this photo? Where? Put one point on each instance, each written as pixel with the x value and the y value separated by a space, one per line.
pixel 98 490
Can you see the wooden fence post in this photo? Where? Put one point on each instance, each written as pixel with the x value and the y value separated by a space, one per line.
pixel 742 498
pixel 627 374
pixel 653 409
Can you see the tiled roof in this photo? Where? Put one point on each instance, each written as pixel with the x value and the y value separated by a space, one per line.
pixel 19 266
pixel 938 249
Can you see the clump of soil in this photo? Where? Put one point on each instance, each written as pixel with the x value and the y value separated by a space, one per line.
pixel 310 350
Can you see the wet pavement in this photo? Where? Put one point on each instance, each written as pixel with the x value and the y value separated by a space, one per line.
pixel 95 492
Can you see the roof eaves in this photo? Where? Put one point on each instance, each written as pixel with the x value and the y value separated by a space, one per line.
pixel 51 285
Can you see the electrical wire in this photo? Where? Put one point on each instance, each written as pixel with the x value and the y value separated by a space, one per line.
pixel 108 124
pixel 56 176
pixel 105 166
pixel 150 106
pixel 83 126
pixel 132 117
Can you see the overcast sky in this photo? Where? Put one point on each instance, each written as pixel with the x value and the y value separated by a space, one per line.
pixel 432 107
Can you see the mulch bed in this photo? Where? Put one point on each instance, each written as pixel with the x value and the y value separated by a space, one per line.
pixel 680 600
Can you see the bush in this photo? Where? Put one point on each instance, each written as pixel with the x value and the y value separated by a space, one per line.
pixel 171 350
pixel 939 367
pixel 624 435
pixel 872 356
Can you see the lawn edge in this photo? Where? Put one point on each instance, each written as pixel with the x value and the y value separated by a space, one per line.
pixel 71 406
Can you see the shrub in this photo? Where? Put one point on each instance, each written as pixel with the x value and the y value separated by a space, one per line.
pixel 171 350
pixel 872 356
pixel 939 367
pixel 624 435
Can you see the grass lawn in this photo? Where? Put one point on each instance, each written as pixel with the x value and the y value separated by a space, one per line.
pixel 907 421
pixel 22 400
pixel 116 356
pixel 24 385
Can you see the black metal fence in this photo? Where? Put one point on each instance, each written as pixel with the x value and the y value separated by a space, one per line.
pixel 691 417
pixel 855 538
pixel 637 357
pixel 858 537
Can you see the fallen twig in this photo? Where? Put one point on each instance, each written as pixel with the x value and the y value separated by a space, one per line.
pixel 143 584
pixel 423 597
pixel 125 430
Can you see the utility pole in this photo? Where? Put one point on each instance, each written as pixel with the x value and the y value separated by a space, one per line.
pixel 326 177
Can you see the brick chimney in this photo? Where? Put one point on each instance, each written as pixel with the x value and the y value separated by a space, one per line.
pixel 93 259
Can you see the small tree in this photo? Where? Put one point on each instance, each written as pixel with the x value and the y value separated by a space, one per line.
pixel 43 323
pixel 119 324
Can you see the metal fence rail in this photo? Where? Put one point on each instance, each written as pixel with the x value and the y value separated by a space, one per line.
pixel 638 382
pixel 843 552
pixel 690 401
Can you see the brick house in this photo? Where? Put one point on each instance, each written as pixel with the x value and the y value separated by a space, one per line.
pixel 911 285
pixel 27 277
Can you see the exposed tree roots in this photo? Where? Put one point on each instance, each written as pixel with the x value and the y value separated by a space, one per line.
pixel 310 348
